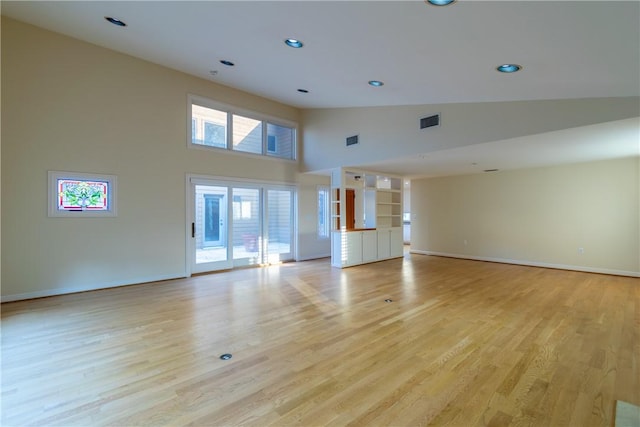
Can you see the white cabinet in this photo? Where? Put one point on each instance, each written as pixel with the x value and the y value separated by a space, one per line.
pixel 390 244
pixel 384 251
pixel 396 242
pixel 353 247
pixel 369 246
pixel 366 217
pixel 359 247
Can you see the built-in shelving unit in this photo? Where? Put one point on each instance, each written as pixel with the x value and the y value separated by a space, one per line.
pixel 366 217
pixel 335 208
pixel 389 202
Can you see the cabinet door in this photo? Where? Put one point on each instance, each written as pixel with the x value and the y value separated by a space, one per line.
pixel 336 249
pixel 396 243
pixel 369 246
pixel 383 244
pixel 353 248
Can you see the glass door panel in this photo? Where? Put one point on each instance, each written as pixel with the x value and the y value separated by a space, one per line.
pixel 210 228
pixel 212 220
pixel 235 224
pixel 279 225
pixel 246 229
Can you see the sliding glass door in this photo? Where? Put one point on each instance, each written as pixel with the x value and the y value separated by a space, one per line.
pixel 209 228
pixel 279 225
pixel 239 224
pixel 247 226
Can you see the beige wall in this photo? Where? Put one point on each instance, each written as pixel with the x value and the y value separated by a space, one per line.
pixel 536 216
pixel 72 106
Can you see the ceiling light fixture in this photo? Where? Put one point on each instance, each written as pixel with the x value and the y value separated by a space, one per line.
pixel 376 83
pixel 509 68
pixel 294 43
pixel 303 91
pixel 115 21
pixel 227 63
pixel 440 2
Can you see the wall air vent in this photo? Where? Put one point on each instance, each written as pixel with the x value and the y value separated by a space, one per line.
pixel 352 140
pixel 431 121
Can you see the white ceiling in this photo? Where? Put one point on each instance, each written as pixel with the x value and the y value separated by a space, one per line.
pixel 424 54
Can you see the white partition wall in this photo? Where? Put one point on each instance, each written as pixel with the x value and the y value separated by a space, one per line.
pixel 366 213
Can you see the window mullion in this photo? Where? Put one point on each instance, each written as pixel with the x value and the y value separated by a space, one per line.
pixel 229 131
pixel 264 138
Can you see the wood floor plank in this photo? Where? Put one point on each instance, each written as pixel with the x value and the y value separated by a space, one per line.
pixel 462 343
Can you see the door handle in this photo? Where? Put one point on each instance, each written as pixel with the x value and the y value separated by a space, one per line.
pixel 193 229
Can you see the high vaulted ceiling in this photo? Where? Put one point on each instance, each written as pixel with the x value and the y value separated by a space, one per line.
pixel 423 54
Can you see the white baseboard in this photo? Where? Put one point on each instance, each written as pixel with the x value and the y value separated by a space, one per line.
pixel 95 287
pixel 312 257
pixel 532 263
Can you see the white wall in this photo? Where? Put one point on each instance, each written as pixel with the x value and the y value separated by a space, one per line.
pixel 309 246
pixel 538 216
pixel 71 106
pixel 393 132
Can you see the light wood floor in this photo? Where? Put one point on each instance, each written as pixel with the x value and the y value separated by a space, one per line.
pixel 463 343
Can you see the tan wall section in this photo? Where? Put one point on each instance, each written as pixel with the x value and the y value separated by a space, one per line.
pixel 536 216
pixel 72 106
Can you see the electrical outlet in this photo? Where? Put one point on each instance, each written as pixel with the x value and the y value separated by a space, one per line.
pixel 465 242
pixel 580 251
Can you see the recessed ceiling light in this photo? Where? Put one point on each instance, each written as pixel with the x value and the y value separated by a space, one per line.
pixel 293 43
pixel 303 91
pixel 440 2
pixel 376 83
pixel 115 21
pixel 509 68
pixel 227 63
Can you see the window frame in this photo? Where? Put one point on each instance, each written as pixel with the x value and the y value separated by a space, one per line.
pixel 230 111
pixel 201 127
pixel 54 212
pixel 324 230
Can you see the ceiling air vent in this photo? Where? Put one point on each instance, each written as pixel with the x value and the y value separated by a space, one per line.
pixel 352 140
pixel 431 121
